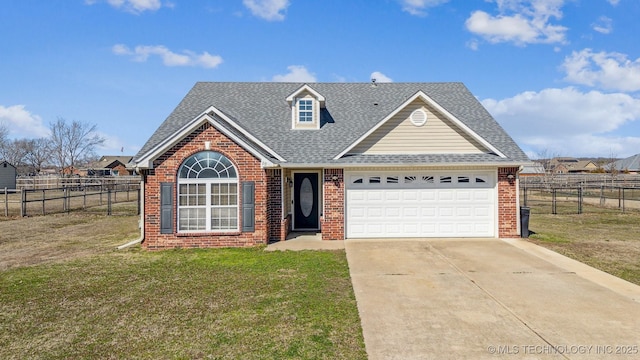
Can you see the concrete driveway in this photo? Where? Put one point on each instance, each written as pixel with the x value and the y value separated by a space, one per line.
pixel 488 299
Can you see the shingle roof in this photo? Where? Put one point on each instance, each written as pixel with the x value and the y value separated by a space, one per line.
pixel 351 110
pixel 631 163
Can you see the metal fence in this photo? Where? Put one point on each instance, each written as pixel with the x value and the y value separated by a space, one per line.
pixel 572 199
pixel 26 202
pixel 57 181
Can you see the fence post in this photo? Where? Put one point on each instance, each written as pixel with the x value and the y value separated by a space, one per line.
pixel 580 200
pixel 602 201
pixel 23 203
pixel 525 194
pixel 6 203
pixel 139 200
pixel 109 202
pixel 619 198
pixel 622 199
pixel 84 197
pixel 553 201
pixel 44 196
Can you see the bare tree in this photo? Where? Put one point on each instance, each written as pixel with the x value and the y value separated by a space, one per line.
pixel 544 158
pixel 38 154
pixel 4 133
pixel 14 152
pixel 72 142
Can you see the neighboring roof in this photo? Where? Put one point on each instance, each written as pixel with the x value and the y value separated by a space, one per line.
pixel 532 169
pixel 107 160
pixel 351 110
pixel 6 162
pixel 631 163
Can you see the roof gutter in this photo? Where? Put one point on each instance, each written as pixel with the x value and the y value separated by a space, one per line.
pixel 399 165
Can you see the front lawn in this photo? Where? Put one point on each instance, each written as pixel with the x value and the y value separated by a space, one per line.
pixel 178 304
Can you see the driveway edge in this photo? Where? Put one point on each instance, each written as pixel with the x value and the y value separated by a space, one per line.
pixel 613 283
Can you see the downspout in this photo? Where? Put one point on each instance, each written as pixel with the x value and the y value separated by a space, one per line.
pixel 141 221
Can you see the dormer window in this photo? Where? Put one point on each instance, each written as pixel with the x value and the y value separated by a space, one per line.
pixel 305 110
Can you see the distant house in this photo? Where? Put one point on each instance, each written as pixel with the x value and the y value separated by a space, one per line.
pixel 106 166
pixel 569 165
pixel 112 165
pixel 629 165
pixel 8 175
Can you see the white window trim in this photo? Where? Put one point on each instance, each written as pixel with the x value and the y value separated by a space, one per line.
pixel 208 206
pixel 299 111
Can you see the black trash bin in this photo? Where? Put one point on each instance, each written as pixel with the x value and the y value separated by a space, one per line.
pixel 524 221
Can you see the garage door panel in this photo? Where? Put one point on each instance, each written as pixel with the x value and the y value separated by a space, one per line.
pixel 392 195
pixel 393 212
pixel 410 195
pixel 464 211
pixel 377 211
pixel 446 211
pixel 482 195
pixel 418 205
pixel 464 195
pixel 428 195
pixel 446 195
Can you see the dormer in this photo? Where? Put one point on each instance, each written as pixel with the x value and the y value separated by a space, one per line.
pixel 305 108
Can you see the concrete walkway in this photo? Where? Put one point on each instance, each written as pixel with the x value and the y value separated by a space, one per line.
pixel 305 241
pixel 488 299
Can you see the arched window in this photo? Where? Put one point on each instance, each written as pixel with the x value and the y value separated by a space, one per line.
pixel 207 193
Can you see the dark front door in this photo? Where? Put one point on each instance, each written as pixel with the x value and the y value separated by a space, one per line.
pixel 305 201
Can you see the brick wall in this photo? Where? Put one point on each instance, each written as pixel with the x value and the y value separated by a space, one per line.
pixel 332 221
pixel 508 206
pixel 277 224
pixel 164 171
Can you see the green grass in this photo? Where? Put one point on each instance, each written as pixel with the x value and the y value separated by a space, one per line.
pixel 182 304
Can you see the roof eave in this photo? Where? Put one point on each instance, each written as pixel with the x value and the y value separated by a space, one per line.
pixel 146 160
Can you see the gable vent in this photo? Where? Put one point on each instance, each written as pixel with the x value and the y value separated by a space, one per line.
pixel 418 117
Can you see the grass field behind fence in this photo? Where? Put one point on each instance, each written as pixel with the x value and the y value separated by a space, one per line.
pixel 42 202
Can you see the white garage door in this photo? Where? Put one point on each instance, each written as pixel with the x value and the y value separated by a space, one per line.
pixel 420 204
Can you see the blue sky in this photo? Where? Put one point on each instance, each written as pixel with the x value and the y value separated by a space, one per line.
pixel 561 76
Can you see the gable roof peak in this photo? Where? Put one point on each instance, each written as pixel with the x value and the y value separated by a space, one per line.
pixel 307 88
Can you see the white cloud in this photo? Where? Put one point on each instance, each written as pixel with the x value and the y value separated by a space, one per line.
pixel 134 6
pixel 604 25
pixel 613 2
pixel 612 71
pixel 520 22
pixel 418 7
pixel 568 122
pixel 380 77
pixel 297 73
pixel 271 10
pixel 21 123
pixel 188 58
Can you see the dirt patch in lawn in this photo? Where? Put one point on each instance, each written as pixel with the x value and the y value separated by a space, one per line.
pixel 60 237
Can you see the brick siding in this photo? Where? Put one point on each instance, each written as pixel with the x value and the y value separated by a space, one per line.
pixel 508 206
pixel 332 221
pixel 165 170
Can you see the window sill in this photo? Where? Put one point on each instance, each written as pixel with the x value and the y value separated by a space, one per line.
pixel 209 233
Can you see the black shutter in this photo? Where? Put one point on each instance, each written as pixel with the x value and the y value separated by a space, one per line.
pixel 248 206
pixel 166 208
